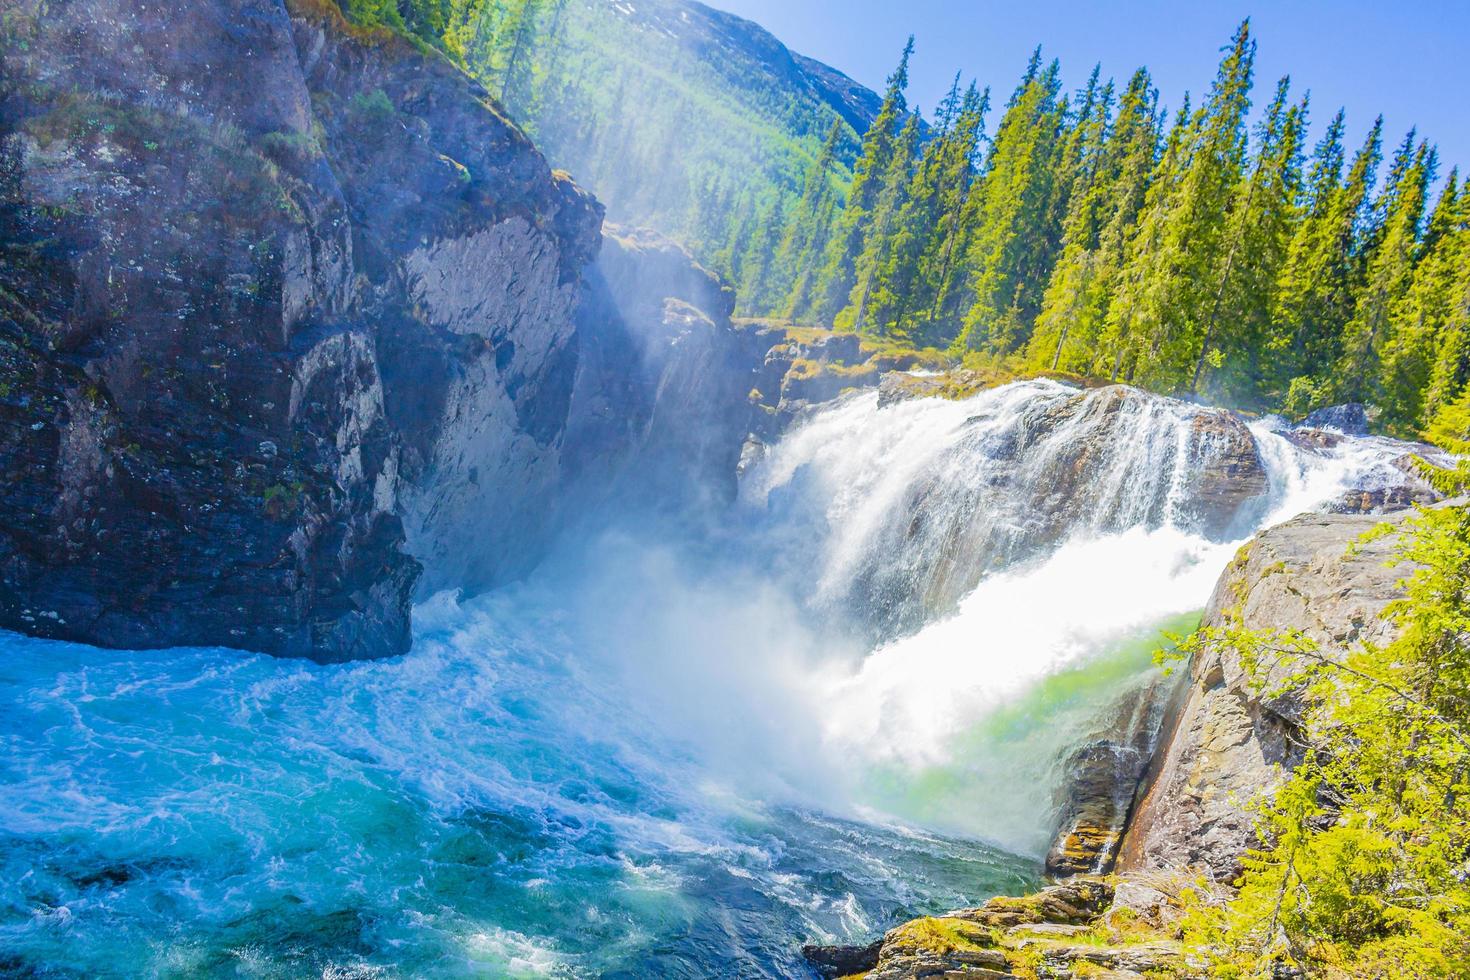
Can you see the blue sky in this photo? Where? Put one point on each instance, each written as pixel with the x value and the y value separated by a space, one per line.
pixel 1408 59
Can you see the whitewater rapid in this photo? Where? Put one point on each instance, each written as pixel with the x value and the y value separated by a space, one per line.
pixel 963 722
pixel 662 755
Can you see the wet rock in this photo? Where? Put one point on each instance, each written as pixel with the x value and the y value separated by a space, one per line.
pixel 985 942
pixel 287 315
pixel 1227 474
pixel 1077 901
pixel 1231 476
pixel 1227 745
pixel 901 386
pixel 1102 778
pixel 842 961
pixel 1415 491
pixel 1351 419
pixel 1314 439
pixel 752 452
pixel 665 402
pixel 939 946
pixel 1384 500
pixel 811 382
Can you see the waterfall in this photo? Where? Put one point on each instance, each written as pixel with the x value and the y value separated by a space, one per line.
pixel 905 508
pixel 1006 552
pixel 668 750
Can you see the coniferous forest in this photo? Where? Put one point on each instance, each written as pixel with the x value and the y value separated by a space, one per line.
pixel 1206 249
pixel 1097 234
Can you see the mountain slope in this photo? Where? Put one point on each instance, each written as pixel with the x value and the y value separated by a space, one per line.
pixel 676 115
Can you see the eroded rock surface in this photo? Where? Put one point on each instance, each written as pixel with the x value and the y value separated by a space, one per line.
pixel 1052 934
pixel 1102 780
pixel 1228 745
pixel 289 312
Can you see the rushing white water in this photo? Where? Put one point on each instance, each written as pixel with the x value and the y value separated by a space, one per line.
pixel 666 759
pixel 1089 513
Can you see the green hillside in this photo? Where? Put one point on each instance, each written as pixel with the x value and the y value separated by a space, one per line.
pixel 677 116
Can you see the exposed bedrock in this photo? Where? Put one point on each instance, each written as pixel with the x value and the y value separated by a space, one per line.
pixel 1227 745
pixel 1019 480
pixel 288 314
pixel 1102 779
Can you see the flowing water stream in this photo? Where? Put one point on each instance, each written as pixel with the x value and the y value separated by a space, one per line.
pixel 662 755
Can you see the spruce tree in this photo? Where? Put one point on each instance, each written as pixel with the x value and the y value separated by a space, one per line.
pixel 1099 220
pixel 957 202
pixel 836 280
pixel 512 55
pixel 1450 373
pixel 1121 345
pixel 886 247
pixel 1394 247
pixel 1258 236
pixel 1183 248
pixel 1006 259
pixel 758 288
pixel 920 237
pixel 1310 287
pixel 1423 319
pixel 804 243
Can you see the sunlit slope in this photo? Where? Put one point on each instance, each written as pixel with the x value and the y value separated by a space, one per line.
pixel 674 114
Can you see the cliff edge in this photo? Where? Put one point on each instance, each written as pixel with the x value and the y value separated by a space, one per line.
pixel 289 314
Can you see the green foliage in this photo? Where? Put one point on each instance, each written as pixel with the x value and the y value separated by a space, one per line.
pixel 1207 261
pixel 1363 867
pixel 1089 236
pixel 879 168
pixel 675 123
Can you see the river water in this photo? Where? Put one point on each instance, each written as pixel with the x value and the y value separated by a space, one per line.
pixel 664 754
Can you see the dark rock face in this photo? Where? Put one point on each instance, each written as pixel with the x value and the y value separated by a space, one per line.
pixel 288 313
pixel 1226 745
pixel 1232 475
pixel 661 408
pixel 1103 776
pixel 1350 419
pixel 842 961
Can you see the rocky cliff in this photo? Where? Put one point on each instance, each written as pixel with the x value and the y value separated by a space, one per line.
pixel 288 313
pixel 1226 744
pixel 1223 746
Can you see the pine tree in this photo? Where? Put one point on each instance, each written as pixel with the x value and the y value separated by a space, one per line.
pixel 758 289
pixel 1099 219
pixel 1423 317
pixel 1183 246
pixel 1394 247
pixel 959 189
pixel 512 54
pixel 1259 234
pixel 1122 343
pixel 804 242
pixel 919 240
pixel 1311 288
pixel 1006 258
pixel 886 247
pixel 879 143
